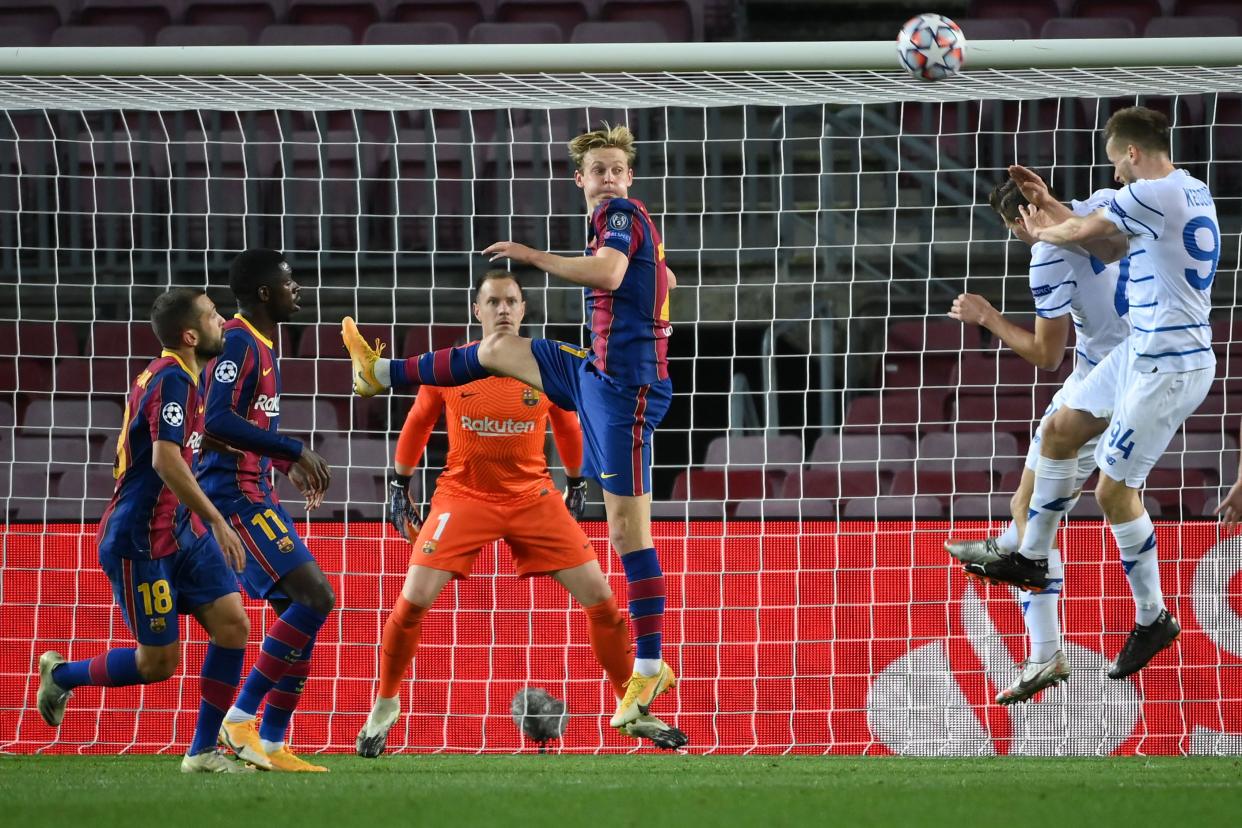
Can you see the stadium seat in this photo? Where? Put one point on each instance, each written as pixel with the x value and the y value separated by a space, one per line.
pixel 306 417
pixel 39 17
pixel 681 20
pixel 564 14
pixel 1209 8
pixel 321 204
pixel 1211 416
pixel 980 507
pixel 944 485
pixel 778 453
pixel 863 452
pixel 1034 12
pixel 1177 491
pixel 593 31
pixel 969 451
pixel 354 15
pixel 39 451
pixel 253 15
pixel 725 486
pixel 1191 27
pixel 50 339
pixel 68 415
pixel 1209 452
pixel 221 35
pixel 462 15
pixel 515 33
pixel 892 508
pixel 1114 28
pixel 897 412
pixel 371 453
pixel 122 339
pixel 688 510
pixel 414 34
pixel 1138 12
pixel 148 16
pixel 916 337
pixel 832 483
pixel 420 339
pixel 425 187
pixel 88 487
pixel 283 34
pixel 781 509
pixel 996 28
pixel 22 36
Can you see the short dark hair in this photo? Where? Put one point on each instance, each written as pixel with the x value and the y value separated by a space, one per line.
pixel 173 313
pixel 255 268
pixel 496 275
pixel 1145 128
pixel 1007 197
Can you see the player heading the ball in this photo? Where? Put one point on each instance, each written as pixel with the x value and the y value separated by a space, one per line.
pixel 619 385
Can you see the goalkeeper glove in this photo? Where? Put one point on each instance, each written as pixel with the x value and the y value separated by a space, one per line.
pixel 575 496
pixel 402 513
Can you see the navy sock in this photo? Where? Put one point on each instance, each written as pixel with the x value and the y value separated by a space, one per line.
pixel 447 366
pixel 114 668
pixel 217 683
pixel 645 592
pixel 282 646
pixel 283 699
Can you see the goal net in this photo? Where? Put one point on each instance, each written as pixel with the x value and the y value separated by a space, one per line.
pixel 831 426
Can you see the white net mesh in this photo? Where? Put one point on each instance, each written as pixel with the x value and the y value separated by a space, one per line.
pixel 830 429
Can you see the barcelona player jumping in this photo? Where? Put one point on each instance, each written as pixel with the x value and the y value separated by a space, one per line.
pixel 619 386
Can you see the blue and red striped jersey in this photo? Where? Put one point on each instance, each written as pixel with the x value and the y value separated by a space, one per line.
pixel 144 519
pixel 629 326
pixel 243 410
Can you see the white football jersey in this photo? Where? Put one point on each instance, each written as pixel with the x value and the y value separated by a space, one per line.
pixel 1069 281
pixel 1174 250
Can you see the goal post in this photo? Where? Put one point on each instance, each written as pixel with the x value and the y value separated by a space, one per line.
pixel 831 427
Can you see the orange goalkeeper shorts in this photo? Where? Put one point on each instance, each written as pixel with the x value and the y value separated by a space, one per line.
pixel 542 533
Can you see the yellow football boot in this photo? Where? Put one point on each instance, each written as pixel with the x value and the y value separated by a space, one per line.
pixel 284 760
pixel 640 692
pixel 243 739
pixel 363 357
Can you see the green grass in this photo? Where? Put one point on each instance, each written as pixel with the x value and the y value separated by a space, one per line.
pixel 665 790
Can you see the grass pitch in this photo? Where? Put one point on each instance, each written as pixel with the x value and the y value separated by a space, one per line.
pixel 563 791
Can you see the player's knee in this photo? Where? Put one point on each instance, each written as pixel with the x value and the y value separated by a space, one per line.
pixel 233 632
pixel 322 599
pixel 158 663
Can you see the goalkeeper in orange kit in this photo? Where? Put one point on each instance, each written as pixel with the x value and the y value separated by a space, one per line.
pixel 495 485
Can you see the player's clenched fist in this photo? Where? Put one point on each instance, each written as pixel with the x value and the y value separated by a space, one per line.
pixel 575 496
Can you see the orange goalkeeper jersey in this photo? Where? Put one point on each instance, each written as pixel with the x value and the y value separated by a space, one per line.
pixel 496 432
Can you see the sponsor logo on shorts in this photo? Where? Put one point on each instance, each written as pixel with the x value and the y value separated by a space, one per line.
pixel 429 548
pixel 285 544
pixel 487 427
pixel 158 625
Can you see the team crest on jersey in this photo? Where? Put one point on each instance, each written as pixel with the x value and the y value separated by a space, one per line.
pixel 285 544
pixel 158 625
pixel 619 221
pixel 429 548
pixel 530 396
pixel 173 414
pixel 226 371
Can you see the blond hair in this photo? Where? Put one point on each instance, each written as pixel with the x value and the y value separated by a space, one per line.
pixel 606 137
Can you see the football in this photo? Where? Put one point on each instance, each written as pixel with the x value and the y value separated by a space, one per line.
pixel 931 46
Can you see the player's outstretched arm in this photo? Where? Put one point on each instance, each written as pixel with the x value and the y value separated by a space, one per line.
pixel 1094 233
pixel 603 271
pixel 1045 348
pixel 168 463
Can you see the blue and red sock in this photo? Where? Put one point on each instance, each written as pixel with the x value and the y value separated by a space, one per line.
pixel 284 698
pixel 114 668
pixel 218 682
pixel 447 366
pixel 645 592
pixel 283 645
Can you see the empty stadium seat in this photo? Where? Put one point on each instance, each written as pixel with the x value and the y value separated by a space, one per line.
pixel 515 33
pixel 68 415
pixel 1191 27
pixel 777 453
pixel 863 452
pixel 1209 8
pixel 148 16
pixel 253 15
pixel 830 483
pixel 892 508
pixel 304 417
pixel 50 339
pixel 1138 12
pixel 996 28
pixel 414 34
pixel 22 36
pixel 981 507
pixel 1034 12
pixel 1096 27
pixel 780 509
pixel 354 15
pixel 1212 453
pixel 943 485
pixel 897 412
pixel 719 486
pixel 39 17
pixel 682 21
pixel 221 35
pixel 462 15
pixel 564 14
pixel 594 31
pixel 996 453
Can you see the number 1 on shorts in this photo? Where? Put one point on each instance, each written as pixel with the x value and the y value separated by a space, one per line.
pixel 442 522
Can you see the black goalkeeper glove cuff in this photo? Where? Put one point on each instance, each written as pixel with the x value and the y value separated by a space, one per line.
pixel 575 496
pixel 402 514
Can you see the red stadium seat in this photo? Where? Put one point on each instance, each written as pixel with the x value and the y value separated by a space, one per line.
pixel 1184 490
pixel 149 16
pixel 969 451
pixel 831 483
pixel 778 453
pixel 1059 28
pixel 565 14
pixel 99 36
pixel 863 452
pixel 39 17
pixel 50 339
pixel 592 31
pixel 702 484
pixel 942 484
pixel 995 28
pixel 897 412
pixel 1034 12
pixel 462 15
pixel 253 15
pixel 981 507
pixel 1191 27
pixel 222 35
pixel 123 339
pixel 1209 8
pixel 310 34
pixel 515 33
pixel 683 21
pixel 354 15
pixel 892 508
pixel 420 339
pixel 22 36
pixel 415 34
pixel 1138 12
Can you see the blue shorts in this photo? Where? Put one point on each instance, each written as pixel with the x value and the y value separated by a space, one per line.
pixel 617 420
pixel 273 546
pixel 153 592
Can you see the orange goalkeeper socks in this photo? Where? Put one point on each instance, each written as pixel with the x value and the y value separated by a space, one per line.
pixel 610 641
pixel 400 642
